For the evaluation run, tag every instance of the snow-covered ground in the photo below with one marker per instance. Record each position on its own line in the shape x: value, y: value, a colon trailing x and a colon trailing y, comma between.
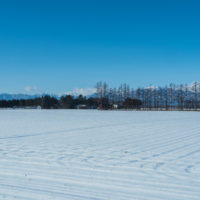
x: 99, y: 155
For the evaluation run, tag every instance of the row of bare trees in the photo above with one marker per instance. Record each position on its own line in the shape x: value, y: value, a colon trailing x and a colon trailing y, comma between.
x: 171, y: 97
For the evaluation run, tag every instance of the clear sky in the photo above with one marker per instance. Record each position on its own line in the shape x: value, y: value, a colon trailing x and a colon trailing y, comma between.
x: 58, y: 45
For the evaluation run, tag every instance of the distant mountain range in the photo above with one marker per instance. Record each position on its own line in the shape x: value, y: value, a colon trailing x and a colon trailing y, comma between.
x: 6, y: 96
x: 88, y: 92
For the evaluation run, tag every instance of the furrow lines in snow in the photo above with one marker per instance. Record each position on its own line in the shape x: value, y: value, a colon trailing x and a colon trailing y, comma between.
x: 91, y: 155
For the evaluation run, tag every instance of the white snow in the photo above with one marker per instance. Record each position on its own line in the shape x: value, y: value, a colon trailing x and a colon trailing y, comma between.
x: 99, y: 155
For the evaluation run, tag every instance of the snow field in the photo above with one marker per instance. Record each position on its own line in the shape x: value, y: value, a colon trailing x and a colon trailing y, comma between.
x: 99, y: 155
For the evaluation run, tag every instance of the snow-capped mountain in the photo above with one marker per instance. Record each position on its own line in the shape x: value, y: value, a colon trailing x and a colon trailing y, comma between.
x: 88, y: 92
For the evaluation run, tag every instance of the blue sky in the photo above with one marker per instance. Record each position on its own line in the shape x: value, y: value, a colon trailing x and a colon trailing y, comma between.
x: 56, y: 46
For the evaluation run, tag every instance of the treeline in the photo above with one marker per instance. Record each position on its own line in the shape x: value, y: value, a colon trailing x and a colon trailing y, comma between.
x: 49, y: 102
x: 69, y: 102
x: 172, y: 97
